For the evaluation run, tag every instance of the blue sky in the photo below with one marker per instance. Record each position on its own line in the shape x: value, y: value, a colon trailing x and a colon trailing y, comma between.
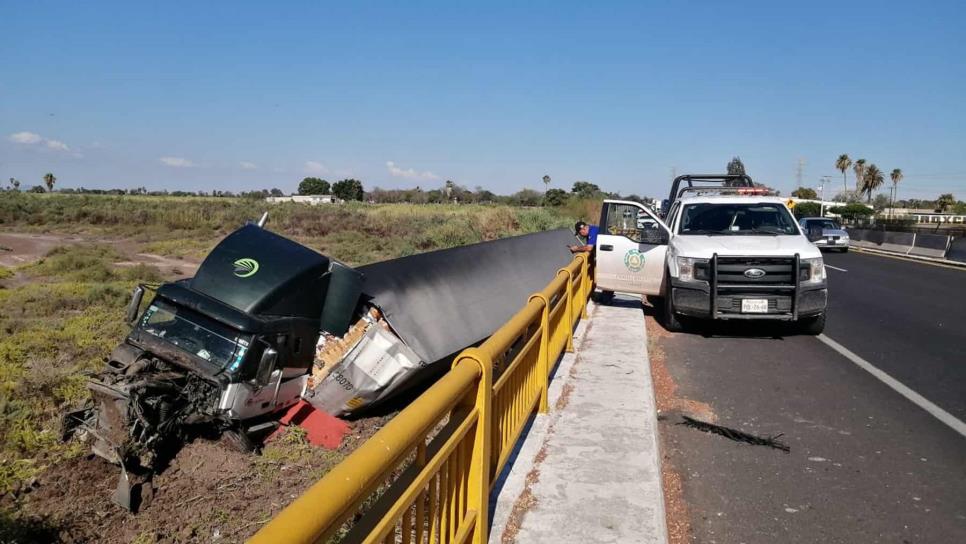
x: 237, y: 96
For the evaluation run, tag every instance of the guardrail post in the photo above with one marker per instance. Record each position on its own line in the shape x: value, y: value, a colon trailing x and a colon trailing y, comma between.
x: 478, y: 486
x: 584, y: 284
x: 570, y: 310
x: 544, y: 362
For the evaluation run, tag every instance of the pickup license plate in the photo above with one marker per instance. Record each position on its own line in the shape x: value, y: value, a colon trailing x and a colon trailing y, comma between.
x: 754, y: 305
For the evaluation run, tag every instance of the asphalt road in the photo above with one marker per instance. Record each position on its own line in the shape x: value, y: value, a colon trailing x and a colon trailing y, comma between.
x: 866, y: 464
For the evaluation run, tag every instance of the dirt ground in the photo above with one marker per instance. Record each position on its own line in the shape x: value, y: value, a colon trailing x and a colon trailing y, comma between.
x: 670, y: 406
x: 18, y: 249
x: 209, y: 493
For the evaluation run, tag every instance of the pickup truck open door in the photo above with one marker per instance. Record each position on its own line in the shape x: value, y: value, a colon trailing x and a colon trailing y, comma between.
x: 631, y: 247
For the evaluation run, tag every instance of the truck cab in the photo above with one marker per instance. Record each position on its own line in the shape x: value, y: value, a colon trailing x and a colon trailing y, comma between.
x: 724, y: 252
x: 226, y: 349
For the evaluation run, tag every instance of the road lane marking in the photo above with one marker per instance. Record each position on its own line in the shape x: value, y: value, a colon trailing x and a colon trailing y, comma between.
x: 835, y: 268
x: 916, y: 398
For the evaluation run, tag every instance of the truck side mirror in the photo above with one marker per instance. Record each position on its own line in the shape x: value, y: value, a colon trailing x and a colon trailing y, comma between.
x: 266, y: 366
x: 135, y: 304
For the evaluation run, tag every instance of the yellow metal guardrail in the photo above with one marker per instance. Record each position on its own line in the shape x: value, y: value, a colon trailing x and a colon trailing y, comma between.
x: 426, y: 476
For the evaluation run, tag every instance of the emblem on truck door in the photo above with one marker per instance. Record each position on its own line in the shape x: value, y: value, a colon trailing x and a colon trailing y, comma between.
x: 245, y: 268
x: 634, y: 260
x: 754, y: 273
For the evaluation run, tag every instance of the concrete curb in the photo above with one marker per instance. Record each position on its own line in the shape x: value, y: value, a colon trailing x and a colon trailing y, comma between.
x: 908, y: 256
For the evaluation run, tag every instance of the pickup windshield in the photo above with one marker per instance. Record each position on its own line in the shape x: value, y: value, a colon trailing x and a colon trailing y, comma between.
x: 194, y: 333
x: 732, y: 219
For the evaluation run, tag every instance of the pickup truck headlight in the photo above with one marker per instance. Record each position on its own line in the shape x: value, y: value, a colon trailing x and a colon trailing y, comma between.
x: 691, y: 269
x: 816, y: 270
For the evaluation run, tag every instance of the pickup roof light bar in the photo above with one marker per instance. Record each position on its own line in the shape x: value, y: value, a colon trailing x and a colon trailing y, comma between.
x: 750, y: 191
x: 706, y: 182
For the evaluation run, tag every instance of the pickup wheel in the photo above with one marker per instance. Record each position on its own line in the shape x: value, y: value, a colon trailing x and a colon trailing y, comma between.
x: 604, y: 297
x: 812, y: 325
x: 671, y: 320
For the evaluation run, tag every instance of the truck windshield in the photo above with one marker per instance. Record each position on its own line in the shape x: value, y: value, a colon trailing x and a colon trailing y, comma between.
x: 195, y: 334
x: 730, y: 219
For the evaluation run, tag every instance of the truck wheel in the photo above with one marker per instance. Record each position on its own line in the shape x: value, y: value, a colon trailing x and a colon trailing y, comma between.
x: 813, y: 325
x: 671, y: 320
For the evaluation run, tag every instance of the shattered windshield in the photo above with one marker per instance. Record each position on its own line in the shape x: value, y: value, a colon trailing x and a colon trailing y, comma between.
x: 732, y: 219
x: 195, y: 334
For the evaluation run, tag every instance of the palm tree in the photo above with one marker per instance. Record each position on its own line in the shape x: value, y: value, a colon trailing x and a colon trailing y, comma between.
x: 872, y: 179
x: 546, y: 182
x: 896, y: 177
x: 859, y: 169
x: 944, y: 201
x: 49, y: 180
x: 843, y: 164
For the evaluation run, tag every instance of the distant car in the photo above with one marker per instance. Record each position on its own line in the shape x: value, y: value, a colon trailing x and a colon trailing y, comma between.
x: 825, y: 233
x: 645, y: 222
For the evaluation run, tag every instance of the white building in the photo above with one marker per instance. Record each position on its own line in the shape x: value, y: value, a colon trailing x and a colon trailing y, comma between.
x: 305, y: 199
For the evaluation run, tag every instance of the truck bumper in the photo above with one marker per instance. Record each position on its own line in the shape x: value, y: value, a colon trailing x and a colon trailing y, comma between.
x: 695, y: 300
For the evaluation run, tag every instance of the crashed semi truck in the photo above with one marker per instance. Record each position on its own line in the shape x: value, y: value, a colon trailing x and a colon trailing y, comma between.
x: 267, y: 322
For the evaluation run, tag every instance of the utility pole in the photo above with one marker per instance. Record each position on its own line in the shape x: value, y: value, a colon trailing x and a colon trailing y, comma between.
x: 825, y: 180
x: 800, y: 171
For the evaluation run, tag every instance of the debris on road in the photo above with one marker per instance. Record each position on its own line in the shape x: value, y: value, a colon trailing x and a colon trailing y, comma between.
x: 736, y: 435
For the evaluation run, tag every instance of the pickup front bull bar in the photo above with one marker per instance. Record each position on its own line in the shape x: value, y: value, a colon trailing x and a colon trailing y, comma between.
x: 795, y: 289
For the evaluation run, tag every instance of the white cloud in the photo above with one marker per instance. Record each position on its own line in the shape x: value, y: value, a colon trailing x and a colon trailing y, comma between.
x: 313, y: 167
x: 247, y: 165
x: 409, y: 173
x: 57, y: 145
x: 177, y: 162
x: 32, y: 138
x: 25, y: 138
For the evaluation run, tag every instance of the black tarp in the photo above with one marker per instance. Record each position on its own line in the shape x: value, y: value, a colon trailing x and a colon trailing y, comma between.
x: 443, y: 301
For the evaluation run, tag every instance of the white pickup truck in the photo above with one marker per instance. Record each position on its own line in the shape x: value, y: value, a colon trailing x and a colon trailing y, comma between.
x: 719, y: 253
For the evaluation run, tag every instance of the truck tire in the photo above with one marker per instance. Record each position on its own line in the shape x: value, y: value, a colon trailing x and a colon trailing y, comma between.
x: 812, y: 325
x: 604, y: 297
x: 671, y: 320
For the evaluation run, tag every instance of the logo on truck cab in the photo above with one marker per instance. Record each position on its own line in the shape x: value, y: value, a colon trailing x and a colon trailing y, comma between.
x: 245, y: 268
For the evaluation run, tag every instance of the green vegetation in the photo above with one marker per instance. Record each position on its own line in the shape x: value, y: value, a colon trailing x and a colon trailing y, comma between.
x: 355, y: 233
x: 805, y: 192
x: 853, y: 210
x: 314, y: 186
x: 52, y: 330
x: 808, y: 209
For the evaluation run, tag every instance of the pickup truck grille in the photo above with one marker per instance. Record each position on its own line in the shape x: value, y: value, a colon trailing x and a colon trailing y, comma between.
x: 778, y: 270
x: 774, y: 279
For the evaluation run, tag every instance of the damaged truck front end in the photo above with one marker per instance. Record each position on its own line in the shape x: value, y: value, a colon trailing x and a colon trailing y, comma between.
x: 222, y: 352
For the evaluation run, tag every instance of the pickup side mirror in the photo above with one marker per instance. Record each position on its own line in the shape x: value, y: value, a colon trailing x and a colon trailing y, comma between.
x: 654, y: 236
x: 265, y: 367
x: 135, y: 304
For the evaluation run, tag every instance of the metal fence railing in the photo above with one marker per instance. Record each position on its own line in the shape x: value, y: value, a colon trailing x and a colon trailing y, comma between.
x: 426, y: 476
